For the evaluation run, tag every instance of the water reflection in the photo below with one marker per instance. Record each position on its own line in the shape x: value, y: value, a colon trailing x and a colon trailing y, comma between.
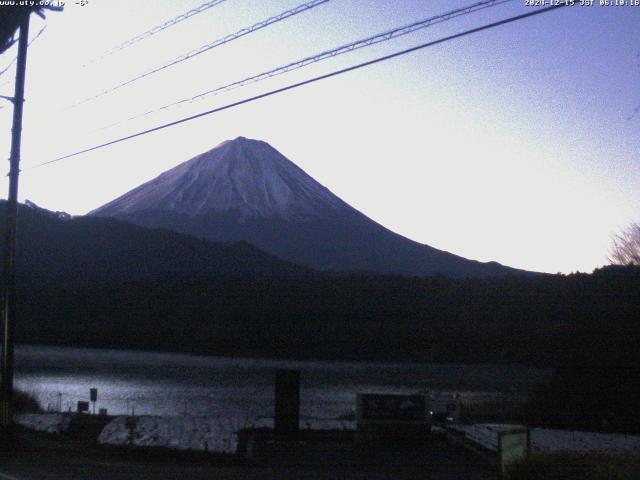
x: 177, y: 384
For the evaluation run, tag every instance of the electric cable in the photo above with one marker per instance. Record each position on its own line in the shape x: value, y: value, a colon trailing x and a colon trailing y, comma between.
x: 3, y: 71
x: 216, y: 43
x: 362, y: 43
x: 158, y: 28
x: 308, y: 81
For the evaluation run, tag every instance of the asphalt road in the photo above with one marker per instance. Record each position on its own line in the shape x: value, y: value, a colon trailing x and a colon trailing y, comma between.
x: 37, y: 460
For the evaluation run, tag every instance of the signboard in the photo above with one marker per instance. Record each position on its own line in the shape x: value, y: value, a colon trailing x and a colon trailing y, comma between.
x: 384, y: 408
x: 513, y: 445
x: 93, y: 392
x: 83, y: 406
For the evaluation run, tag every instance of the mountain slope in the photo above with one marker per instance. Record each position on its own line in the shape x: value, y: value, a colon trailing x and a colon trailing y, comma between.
x: 108, y: 284
x: 246, y: 190
x: 53, y: 246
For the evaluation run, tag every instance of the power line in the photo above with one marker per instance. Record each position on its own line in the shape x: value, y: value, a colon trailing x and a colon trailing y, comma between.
x: 158, y: 29
x: 216, y: 43
x: 366, y: 42
x: 308, y: 81
x: 3, y: 71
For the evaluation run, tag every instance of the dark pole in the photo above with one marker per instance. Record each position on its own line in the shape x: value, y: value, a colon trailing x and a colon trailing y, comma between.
x: 9, y: 284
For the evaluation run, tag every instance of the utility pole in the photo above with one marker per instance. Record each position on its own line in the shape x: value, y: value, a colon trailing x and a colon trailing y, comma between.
x: 9, y: 284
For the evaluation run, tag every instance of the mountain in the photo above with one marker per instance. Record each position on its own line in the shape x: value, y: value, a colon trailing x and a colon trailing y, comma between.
x: 101, y: 282
x: 56, y: 247
x: 246, y: 190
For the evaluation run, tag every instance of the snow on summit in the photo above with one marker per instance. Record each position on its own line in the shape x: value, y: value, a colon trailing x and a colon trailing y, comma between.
x: 247, y: 177
x: 245, y: 190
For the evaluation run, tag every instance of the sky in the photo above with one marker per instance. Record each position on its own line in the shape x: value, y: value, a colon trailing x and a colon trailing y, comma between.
x: 517, y: 144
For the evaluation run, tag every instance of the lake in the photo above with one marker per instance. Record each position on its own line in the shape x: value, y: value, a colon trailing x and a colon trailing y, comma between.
x: 151, y: 383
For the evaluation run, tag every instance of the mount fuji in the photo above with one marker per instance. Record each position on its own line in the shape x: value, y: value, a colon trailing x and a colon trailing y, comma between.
x: 246, y: 190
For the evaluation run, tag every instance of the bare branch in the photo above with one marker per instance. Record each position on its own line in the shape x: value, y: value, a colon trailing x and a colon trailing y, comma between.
x: 625, y: 246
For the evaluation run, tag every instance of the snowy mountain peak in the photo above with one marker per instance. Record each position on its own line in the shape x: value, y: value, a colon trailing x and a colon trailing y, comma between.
x: 245, y: 190
x: 244, y: 176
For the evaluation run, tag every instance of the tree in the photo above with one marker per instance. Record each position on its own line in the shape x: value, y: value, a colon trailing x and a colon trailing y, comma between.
x: 625, y: 246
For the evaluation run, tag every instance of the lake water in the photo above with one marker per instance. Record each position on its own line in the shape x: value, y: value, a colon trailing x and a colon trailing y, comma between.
x: 239, y: 388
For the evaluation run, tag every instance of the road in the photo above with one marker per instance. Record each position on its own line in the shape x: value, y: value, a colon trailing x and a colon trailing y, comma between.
x: 40, y: 460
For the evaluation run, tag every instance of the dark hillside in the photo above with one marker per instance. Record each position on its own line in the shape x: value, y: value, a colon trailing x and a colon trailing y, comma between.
x: 104, y: 283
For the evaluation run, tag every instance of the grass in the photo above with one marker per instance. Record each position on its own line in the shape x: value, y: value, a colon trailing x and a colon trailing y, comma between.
x: 578, y: 466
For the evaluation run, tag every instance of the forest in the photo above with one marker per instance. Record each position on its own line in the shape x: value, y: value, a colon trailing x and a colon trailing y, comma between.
x: 108, y: 284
